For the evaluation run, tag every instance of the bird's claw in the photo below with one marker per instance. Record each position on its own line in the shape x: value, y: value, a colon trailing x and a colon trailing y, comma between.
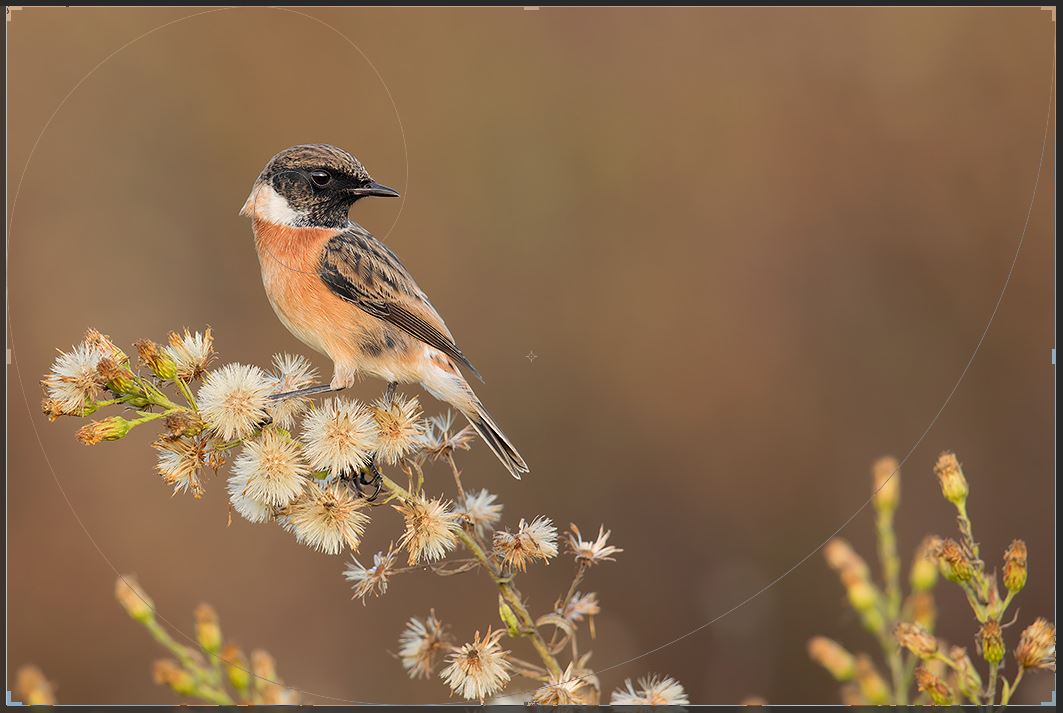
x: 376, y: 481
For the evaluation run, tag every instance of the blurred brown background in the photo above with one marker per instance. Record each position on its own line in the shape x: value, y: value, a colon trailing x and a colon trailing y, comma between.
x: 753, y: 249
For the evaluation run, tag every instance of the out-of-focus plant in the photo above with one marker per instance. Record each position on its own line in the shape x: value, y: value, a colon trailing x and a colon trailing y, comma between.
x: 921, y: 667
x: 308, y: 467
x: 215, y: 670
x: 32, y: 688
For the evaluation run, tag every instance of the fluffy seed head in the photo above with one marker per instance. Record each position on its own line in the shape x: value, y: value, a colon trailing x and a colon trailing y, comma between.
x: 567, y: 689
x: 419, y: 645
x: 374, y: 579
x: 290, y: 373
x: 590, y: 552
x: 271, y: 468
x: 233, y: 399
x: 582, y: 605
x: 440, y: 438
x: 340, y: 436
x: 532, y: 541
x: 399, y: 428
x: 327, y: 518
x: 73, y: 381
x: 191, y: 353
x: 1037, y: 646
x: 478, y: 669
x: 180, y: 460
x: 480, y: 510
x: 651, y: 691
x: 431, y: 529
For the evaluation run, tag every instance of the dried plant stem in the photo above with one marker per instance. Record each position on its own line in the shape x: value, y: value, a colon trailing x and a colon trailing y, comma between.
x: 457, y: 476
x: 504, y: 583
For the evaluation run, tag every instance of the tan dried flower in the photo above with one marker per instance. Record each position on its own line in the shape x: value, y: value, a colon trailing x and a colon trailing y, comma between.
x: 1037, y: 646
x: 33, y: 688
x: 420, y: 643
x: 233, y: 399
x: 955, y: 565
x: 431, y: 529
x: 872, y: 686
x: 180, y: 460
x: 886, y: 477
x: 924, y: 572
x: 208, y: 628
x: 191, y: 353
x: 841, y: 557
x: 567, y: 689
x: 340, y: 436
x: 1015, y: 566
x: 116, y: 377
x: 532, y: 541
x: 950, y: 476
x: 582, y: 605
x: 103, y: 344
x: 374, y: 579
x: 156, y: 358
x: 480, y: 510
x: 291, y: 372
x: 133, y: 599
x: 927, y: 682
x: 990, y: 642
x: 968, y: 682
x: 922, y: 609
x: 270, y: 469
x: 167, y: 672
x: 440, y: 439
x: 832, y: 656
x: 327, y: 518
x: 399, y: 428
x: 109, y: 429
x: 478, y: 669
x: 237, y: 668
x: 916, y: 639
x: 652, y: 691
x: 591, y: 552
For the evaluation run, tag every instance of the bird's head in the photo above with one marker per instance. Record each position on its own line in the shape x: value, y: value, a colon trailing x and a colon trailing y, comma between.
x: 311, y: 185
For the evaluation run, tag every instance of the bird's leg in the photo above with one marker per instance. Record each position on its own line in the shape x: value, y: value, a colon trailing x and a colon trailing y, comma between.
x: 377, y: 481
x: 308, y: 391
x: 389, y: 392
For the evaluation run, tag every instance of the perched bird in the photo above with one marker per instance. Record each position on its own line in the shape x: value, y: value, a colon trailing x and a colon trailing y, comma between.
x: 345, y: 294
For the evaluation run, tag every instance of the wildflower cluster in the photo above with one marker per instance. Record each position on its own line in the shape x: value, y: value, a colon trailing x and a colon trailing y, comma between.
x: 213, y: 671
x: 302, y: 465
x: 904, y: 627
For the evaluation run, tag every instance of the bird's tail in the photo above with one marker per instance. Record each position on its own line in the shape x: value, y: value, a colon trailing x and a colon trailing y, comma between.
x: 496, y: 440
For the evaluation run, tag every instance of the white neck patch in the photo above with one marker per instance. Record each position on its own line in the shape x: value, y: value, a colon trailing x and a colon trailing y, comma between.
x: 266, y: 204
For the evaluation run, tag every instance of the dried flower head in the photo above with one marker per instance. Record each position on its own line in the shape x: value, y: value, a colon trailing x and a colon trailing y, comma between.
x: 184, y: 423
x: 117, y: 378
x: 916, y: 639
x: 924, y: 572
x: 440, y: 438
x: 478, y: 669
x: 652, y: 691
x: 237, y: 668
x: 567, y: 689
x: 872, y: 686
x: 1037, y: 646
x: 340, y: 436
x: 532, y: 541
x: 420, y: 643
x: 431, y: 529
x: 832, y: 656
x: 582, y: 605
x: 109, y: 429
x: 841, y: 557
x: 990, y: 642
x: 327, y: 518
x: 33, y: 688
x: 922, y: 608
x: 480, y: 510
x: 399, y: 428
x: 271, y: 469
x: 955, y: 565
x: 167, y: 672
x: 1015, y: 566
x: 967, y: 680
x: 233, y: 399
x: 74, y: 381
x: 590, y: 552
x: 886, y: 477
x: 180, y: 460
x: 156, y: 358
x: 291, y: 372
x: 103, y: 344
x: 950, y: 476
x: 374, y: 579
x: 208, y: 629
x: 191, y: 353
x: 133, y: 599
x: 936, y: 689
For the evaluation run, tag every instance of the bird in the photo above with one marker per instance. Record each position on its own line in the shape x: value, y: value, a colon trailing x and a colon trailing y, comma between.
x: 346, y: 295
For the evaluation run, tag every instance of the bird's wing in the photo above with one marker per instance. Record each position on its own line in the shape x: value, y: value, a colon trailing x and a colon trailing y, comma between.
x: 363, y: 271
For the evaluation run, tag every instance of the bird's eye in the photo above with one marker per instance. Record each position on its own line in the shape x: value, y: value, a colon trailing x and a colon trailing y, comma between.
x: 320, y: 178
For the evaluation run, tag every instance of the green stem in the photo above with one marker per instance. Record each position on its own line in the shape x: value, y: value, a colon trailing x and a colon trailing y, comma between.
x: 1006, y: 698
x: 991, y: 687
x: 183, y: 388
x: 891, y: 571
x: 190, y: 664
x: 505, y: 588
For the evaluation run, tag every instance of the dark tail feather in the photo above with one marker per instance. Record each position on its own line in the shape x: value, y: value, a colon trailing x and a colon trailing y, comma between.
x: 496, y: 440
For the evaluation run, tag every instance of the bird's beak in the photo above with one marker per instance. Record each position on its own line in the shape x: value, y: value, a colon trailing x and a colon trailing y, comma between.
x: 375, y: 189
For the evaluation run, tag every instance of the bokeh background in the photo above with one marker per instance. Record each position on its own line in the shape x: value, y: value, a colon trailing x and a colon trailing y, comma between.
x: 753, y: 250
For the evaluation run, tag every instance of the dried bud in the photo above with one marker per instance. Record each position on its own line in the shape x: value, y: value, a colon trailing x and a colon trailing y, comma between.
x: 133, y: 599
x: 832, y: 656
x: 922, y: 609
x: 954, y: 563
x: 1015, y: 566
x: 184, y: 423
x: 842, y: 558
x: 861, y: 593
x: 53, y: 409
x: 916, y: 639
x: 263, y: 667
x: 109, y: 429
x: 32, y: 688
x: 886, y: 476
x: 157, y: 359
x: 167, y: 672
x: 1037, y: 646
x: 924, y: 574
x: 991, y: 642
x: 872, y: 686
x: 116, y: 377
x: 950, y: 475
x: 940, y: 694
x: 103, y: 344
x: 208, y: 631
x: 236, y: 667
